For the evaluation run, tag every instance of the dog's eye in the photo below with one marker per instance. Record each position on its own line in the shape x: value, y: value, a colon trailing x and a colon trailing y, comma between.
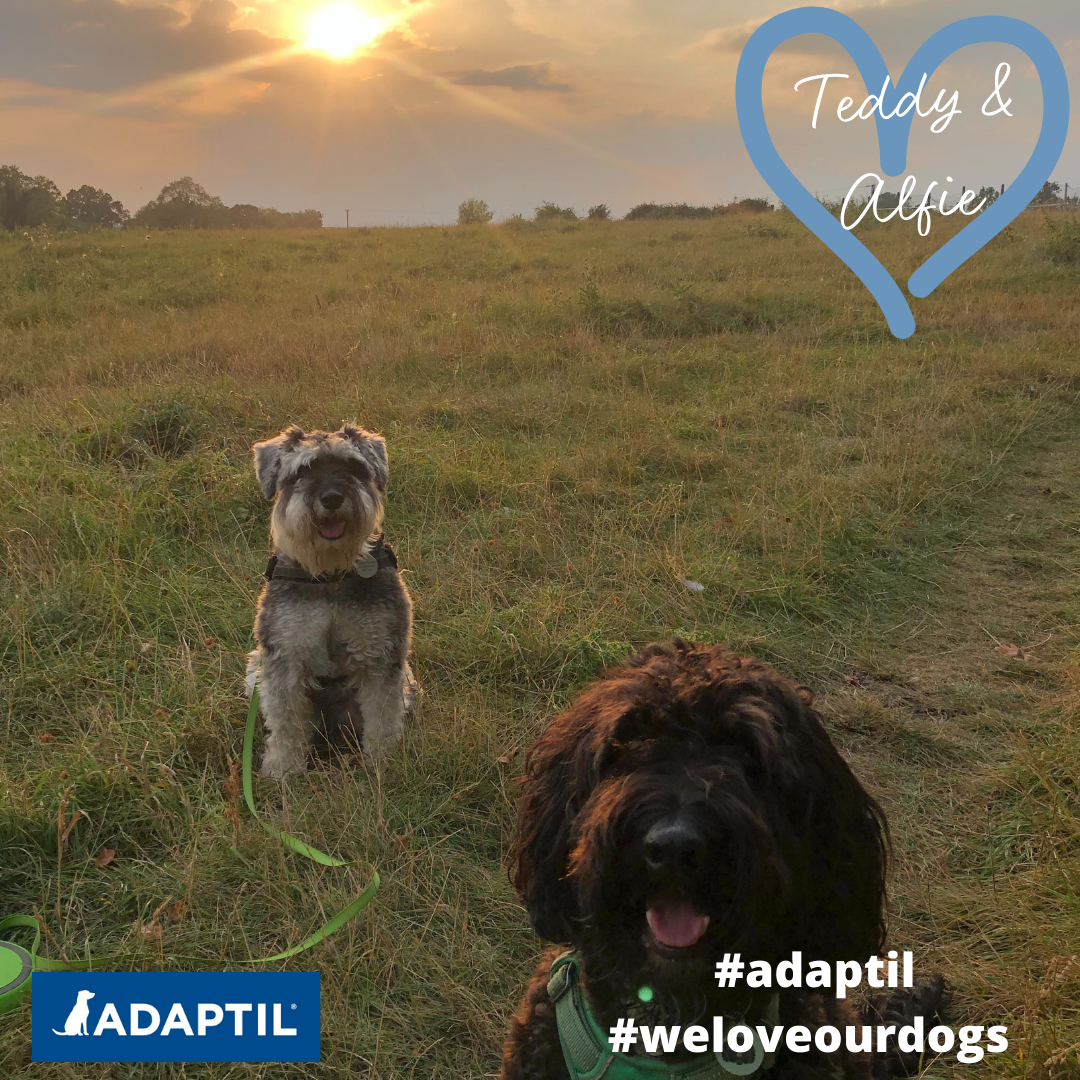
x: 358, y: 469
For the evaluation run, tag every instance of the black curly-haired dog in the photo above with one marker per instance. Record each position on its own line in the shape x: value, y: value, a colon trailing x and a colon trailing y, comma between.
x: 686, y: 805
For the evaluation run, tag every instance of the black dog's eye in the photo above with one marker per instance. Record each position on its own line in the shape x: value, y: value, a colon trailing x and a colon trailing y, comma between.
x: 302, y: 471
x: 358, y: 469
x: 608, y: 756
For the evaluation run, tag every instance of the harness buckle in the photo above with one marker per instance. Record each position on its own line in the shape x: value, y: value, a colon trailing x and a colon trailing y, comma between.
x: 559, y: 983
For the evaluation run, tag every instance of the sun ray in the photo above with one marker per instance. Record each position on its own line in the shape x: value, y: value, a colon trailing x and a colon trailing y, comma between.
x: 483, y: 103
x: 194, y: 81
x: 188, y: 81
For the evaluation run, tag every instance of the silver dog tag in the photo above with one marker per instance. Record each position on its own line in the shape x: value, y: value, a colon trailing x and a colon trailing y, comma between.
x: 367, y: 565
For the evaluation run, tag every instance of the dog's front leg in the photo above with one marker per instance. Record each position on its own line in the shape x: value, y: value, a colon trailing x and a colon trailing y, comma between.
x: 289, y: 712
x: 381, y: 698
x: 532, y: 1050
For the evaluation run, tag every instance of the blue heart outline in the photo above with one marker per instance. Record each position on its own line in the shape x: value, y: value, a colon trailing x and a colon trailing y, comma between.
x: 893, y: 138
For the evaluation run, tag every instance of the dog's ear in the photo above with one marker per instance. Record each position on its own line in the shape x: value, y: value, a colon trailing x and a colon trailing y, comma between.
x: 268, y: 458
x: 561, y: 773
x: 373, y: 447
x: 541, y: 851
x: 845, y: 858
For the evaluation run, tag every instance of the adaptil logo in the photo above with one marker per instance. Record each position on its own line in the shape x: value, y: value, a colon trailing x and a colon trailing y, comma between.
x: 176, y: 1017
x: 76, y: 1021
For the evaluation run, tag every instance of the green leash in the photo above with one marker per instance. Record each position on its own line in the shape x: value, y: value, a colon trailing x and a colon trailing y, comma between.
x: 17, y: 964
x: 339, y: 920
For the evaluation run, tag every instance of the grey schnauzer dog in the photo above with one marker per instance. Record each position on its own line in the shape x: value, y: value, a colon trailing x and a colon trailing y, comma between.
x: 334, y: 620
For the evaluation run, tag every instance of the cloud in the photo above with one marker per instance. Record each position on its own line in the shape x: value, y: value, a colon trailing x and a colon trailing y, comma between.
x: 726, y: 39
x: 402, y: 38
x: 102, y: 45
x: 518, y: 77
x: 899, y: 29
x: 581, y: 25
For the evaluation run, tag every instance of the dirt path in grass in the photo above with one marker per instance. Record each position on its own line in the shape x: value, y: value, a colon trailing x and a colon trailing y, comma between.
x: 969, y: 736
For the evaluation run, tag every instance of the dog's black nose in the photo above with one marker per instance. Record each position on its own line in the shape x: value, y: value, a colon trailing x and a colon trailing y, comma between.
x: 331, y: 499
x: 674, y: 845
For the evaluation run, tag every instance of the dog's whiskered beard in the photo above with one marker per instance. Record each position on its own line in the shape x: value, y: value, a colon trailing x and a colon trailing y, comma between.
x: 671, y: 868
x: 324, y: 538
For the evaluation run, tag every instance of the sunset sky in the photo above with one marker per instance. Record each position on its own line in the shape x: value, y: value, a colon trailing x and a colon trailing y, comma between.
x: 399, y: 111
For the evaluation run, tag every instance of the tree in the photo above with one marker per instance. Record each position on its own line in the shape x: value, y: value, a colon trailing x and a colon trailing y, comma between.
x: 247, y: 216
x: 474, y: 212
x: 1048, y: 193
x: 303, y: 219
x: 183, y: 204
x: 989, y: 193
x: 26, y: 201
x: 91, y: 208
x: 600, y: 212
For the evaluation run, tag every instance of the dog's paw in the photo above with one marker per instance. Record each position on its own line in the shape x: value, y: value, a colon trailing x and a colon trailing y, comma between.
x: 280, y: 767
x: 253, y: 661
x: 410, y: 690
x: 929, y: 998
x: 379, y: 748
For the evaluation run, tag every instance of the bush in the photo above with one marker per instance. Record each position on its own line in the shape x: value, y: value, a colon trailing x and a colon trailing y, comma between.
x: 1062, y: 239
x: 548, y: 211
x: 751, y: 206
x: 517, y: 223
x: 600, y: 212
x: 649, y: 211
x: 474, y: 212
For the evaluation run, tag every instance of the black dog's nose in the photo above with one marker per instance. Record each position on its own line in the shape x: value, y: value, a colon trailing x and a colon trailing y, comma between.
x: 331, y: 499
x: 673, y: 845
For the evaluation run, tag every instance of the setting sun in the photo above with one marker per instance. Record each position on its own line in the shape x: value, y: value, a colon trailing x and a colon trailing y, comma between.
x: 341, y: 30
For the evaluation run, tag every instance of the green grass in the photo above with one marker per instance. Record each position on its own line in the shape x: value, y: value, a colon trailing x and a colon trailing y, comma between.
x: 579, y: 417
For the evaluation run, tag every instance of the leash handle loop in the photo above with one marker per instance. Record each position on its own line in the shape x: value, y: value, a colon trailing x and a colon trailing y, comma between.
x: 41, y: 963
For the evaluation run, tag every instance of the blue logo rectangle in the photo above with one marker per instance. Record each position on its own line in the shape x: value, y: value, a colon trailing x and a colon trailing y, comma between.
x: 176, y: 1016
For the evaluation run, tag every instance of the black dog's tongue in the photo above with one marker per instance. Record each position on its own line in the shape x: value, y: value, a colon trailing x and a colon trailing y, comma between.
x: 676, y: 923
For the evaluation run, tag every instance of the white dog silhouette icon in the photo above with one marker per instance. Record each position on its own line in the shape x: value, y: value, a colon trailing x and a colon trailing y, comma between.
x: 75, y: 1024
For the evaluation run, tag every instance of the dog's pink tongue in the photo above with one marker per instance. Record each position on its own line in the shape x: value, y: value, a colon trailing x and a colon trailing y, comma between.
x: 332, y: 530
x: 676, y: 923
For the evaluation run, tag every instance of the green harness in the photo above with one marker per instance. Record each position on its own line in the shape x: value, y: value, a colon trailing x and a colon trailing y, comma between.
x: 589, y: 1056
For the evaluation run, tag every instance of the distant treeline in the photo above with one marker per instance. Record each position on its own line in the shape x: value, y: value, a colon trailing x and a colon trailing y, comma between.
x: 476, y: 212
x: 29, y: 201
x: 646, y: 211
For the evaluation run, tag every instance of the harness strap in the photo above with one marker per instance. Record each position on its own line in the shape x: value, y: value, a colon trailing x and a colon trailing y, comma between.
x: 588, y: 1052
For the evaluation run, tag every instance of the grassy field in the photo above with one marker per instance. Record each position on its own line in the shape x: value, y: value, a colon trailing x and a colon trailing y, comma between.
x: 579, y: 417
